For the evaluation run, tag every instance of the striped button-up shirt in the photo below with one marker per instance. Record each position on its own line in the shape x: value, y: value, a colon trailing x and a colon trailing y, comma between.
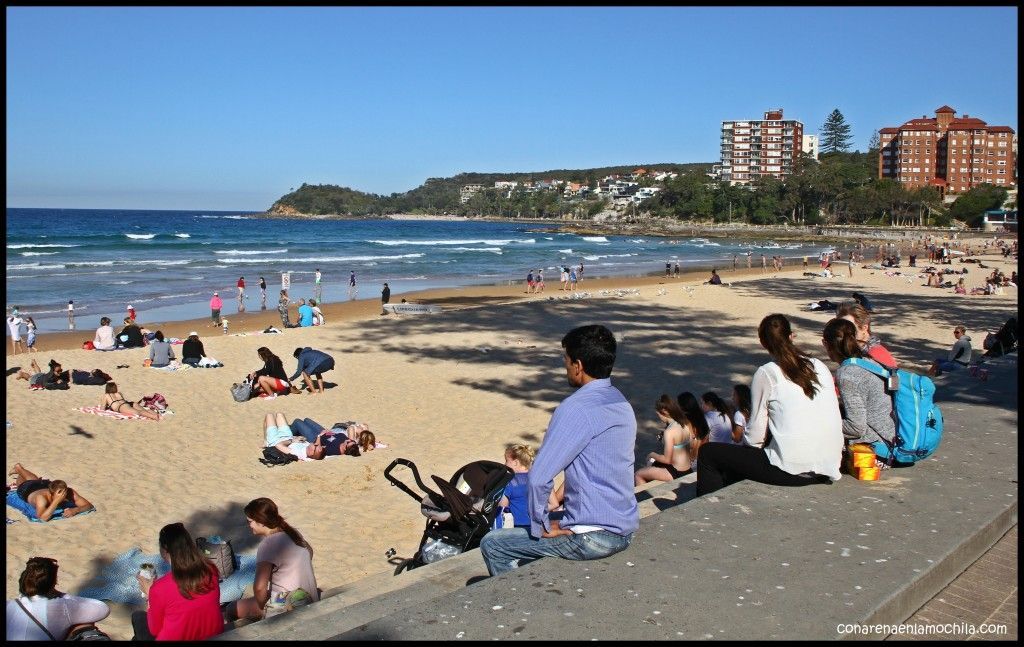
x: 591, y: 436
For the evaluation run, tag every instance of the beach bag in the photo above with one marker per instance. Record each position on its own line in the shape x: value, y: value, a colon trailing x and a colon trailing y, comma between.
x: 241, y: 391
x: 156, y: 402
x: 273, y: 456
x: 918, y: 418
x: 209, y: 362
x: 88, y: 632
x: 219, y: 552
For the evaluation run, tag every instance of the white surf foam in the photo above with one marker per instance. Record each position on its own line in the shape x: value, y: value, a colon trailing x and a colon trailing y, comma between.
x: 183, y: 235
x: 595, y: 239
x: 39, y: 253
x: 24, y: 246
x: 141, y: 236
x: 241, y: 252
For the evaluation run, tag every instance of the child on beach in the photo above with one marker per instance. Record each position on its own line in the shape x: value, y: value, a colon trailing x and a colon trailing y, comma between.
x: 30, y: 342
x: 518, y: 458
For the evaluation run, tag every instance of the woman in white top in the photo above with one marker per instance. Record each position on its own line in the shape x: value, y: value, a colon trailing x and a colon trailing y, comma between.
x: 42, y: 604
x: 104, y: 339
x: 717, y: 413
x: 284, y: 562
x: 794, y: 417
x: 741, y: 403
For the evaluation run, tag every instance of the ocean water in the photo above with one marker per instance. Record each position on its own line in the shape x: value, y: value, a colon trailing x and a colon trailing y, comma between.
x: 168, y: 263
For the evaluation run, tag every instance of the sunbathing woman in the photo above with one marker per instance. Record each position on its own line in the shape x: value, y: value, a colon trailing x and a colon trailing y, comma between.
x: 114, y: 401
x: 277, y: 433
x: 674, y: 461
x: 344, y: 439
x: 37, y: 379
x: 47, y: 496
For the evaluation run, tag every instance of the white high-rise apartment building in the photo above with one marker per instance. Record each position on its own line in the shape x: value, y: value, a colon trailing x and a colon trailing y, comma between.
x: 755, y: 149
x: 811, y: 145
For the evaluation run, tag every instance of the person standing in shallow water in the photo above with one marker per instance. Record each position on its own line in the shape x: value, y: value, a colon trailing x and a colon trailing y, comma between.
x: 263, y: 293
x: 352, y: 289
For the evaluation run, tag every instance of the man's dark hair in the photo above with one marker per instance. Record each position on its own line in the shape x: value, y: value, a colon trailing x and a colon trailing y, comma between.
x: 594, y: 346
x: 298, y: 351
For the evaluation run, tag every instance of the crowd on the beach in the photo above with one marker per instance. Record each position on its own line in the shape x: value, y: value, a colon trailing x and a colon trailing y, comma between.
x: 788, y: 426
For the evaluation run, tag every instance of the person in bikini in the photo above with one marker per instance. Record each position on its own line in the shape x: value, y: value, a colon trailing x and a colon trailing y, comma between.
x: 675, y: 459
x: 47, y: 496
x: 114, y: 401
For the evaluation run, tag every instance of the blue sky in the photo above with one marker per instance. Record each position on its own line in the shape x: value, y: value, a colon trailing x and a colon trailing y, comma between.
x: 229, y: 108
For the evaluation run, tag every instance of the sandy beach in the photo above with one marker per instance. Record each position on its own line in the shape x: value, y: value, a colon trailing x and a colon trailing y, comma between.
x: 441, y: 390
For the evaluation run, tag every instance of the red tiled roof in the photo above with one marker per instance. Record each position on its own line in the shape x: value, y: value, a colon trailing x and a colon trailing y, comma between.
x: 945, y: 109
x: 888, y: 131
x: 1000, y: 129
x: 919, y: 124
x: 969, y: 121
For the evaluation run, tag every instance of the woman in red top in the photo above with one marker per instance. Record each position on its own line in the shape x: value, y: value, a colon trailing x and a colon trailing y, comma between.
x: 872, y: 347
x: 184, y: 604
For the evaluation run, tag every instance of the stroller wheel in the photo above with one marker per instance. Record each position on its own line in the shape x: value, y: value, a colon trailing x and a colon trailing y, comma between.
x: 404, y: 565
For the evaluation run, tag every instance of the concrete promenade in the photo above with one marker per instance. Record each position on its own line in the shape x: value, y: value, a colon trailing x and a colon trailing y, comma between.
x: 751, y: 562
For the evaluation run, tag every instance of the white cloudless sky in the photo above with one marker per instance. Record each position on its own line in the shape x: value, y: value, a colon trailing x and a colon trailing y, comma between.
x: 230, y: 108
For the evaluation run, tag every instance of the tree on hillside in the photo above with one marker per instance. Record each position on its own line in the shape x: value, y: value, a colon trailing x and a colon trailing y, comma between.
x: 971, y: 206
x: 835, y: 133
x: 874, y: 143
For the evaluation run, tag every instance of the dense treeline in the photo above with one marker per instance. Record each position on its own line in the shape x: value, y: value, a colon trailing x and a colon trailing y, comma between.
x: 839, y: 188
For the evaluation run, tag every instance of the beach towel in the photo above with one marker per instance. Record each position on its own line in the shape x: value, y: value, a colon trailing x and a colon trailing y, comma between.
x: 100, y: 411
x: 29, y: 510
x: 117, y: 581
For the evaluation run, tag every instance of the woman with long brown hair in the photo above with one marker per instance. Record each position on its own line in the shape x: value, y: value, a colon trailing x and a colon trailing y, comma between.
x: 867, y: 408
x: 794, y: 434
x: 284, y: 563
x: 271, y: 379
x: 184, y: 604
x: 674, y: 461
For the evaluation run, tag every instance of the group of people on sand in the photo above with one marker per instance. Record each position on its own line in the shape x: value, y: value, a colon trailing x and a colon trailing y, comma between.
x: 184, y: 603
x: 21, y: 326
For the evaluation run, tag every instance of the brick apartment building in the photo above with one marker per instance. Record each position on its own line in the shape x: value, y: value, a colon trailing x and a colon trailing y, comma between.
x: 754, y: 149
x: 953, y: 154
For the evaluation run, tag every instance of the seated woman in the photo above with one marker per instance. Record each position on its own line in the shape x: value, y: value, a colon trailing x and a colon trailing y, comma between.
x: 674, y: 461
x: 934, y: 280
x: 48, y: 496
x: 794, y: 400
x: 277, y: 433
x: 352, y: 439
x: 184, y: 604
x: 318, y: 315
x: 104, y: 338
x: 44, y: 613
x: 961, y: 286
x: 56, y: 378
x: 959, y: 355
x: 741, y: 405
x: 113, y: 401
x: 715, y: 279
x: 284, y: 563
x: 867, y: 408
x: 690, y: 405
x: 160, y: 351
x: 719, y: 417
x: 131, y: 335
x: 271, y: 379
x: 871, y: 345
x: 192, y: 350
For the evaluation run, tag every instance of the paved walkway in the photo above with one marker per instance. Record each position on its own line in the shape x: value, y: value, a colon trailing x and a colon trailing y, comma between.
x: 986, y: 593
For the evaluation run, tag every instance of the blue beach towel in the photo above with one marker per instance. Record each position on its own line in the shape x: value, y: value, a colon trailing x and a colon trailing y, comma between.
x: 118, y: 583
x: 29, y: 510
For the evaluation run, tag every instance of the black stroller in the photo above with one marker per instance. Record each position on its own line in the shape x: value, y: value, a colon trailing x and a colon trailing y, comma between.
x: 1003, y: 341
x: 460, y: 515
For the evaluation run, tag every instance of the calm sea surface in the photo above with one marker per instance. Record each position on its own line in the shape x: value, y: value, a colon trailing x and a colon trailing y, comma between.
x: 168, y: 263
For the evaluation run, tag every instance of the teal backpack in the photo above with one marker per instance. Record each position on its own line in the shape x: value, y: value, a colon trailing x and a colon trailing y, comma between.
x: 918, y: 418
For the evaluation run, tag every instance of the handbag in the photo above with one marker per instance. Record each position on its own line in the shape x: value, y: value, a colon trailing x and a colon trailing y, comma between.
x: 242, y: 391
x: 220, y: 553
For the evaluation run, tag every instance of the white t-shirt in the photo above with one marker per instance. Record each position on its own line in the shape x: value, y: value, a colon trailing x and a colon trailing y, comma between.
x: 298, y: 448
x: 14, y: 323
x: 57, y: 615
x: 293, y: 565
x: 739, y: 420
x: 807, y: 434
x: 721, y: 429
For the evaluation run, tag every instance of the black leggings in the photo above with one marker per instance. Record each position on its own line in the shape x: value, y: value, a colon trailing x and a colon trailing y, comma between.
x: 140, y: 623
x: 721, y: 464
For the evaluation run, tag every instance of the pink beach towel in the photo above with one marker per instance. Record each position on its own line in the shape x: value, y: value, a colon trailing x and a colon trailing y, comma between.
x: 100, y: 411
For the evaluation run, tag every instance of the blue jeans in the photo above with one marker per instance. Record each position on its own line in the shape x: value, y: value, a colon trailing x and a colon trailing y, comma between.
x: 307, y: 428
x: 508, y: 548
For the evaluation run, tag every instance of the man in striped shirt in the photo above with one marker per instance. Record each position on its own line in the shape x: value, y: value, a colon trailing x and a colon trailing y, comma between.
x: 591, y: 437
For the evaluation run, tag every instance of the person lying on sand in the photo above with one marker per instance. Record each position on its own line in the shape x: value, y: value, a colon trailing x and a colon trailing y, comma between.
x: 47, y: 496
